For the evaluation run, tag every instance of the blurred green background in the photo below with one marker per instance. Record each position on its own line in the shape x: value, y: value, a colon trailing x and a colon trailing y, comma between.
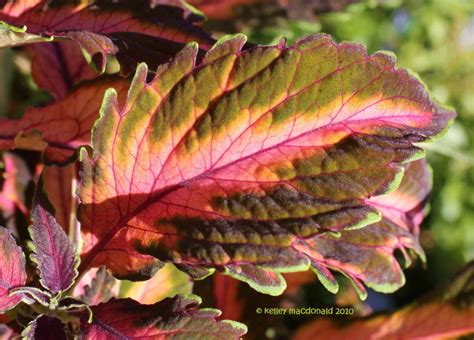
x: 434, y: 38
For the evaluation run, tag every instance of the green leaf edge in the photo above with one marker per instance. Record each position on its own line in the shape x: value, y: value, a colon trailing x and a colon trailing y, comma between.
x: 35, y: 38
x: 110, y: 98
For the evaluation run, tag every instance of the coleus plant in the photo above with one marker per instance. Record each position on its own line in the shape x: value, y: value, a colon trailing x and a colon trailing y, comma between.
x: 254, y: 161
x: 57, y: 260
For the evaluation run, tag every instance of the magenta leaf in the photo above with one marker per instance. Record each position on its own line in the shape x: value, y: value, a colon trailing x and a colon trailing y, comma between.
x: 54, y: 254
x: 171, y: 318
x: 12, y: 270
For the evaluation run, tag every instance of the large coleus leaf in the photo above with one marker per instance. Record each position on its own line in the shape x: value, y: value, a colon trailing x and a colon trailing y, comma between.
x: 171, y: 318
x: 60, y: 128
x: 373, y: 256
x: 249, y: 161
x: 144, y: 30
x: 53, y: 253
x: 12, y: 270
x: 447, y: 313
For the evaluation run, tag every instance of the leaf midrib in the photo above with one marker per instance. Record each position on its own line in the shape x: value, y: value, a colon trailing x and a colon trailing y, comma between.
x: 166, y: 191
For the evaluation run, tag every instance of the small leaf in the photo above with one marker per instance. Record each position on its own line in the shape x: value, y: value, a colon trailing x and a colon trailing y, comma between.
x: 168, y: 282
x: 445, y: 313
x: 53, y: 253
x: 64, y: 125
x: 12, y: 270
x: 170, y: 318
x: 251, y: 161
x: 16, y: 177
x: 45, y: 327
x: 101, y: 288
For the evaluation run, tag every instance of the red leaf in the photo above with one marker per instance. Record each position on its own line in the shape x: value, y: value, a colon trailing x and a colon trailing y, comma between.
x: 12, y: 270
x: 100, y: 29
x: 226, y: 295
x: 64, y: 125
x: 251, y: 161
x: 222, y: 10
x: 57, y: 67
x: 16, y: 177
x: 447, y: 313
x: 18, y: 7
x: 297, y: 9
x: 178, y: 316
x: 59, y: 183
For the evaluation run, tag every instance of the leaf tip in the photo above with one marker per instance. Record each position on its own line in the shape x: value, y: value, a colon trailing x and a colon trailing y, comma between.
x: 238, y: 326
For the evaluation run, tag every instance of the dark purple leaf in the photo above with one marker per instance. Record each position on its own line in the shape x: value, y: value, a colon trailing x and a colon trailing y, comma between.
x: 44, y: 328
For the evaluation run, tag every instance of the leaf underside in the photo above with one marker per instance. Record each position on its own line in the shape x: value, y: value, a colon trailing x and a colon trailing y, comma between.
x: 253, y: 162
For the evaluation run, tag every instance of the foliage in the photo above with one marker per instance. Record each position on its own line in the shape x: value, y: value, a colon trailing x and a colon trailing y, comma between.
x: 148, y: 155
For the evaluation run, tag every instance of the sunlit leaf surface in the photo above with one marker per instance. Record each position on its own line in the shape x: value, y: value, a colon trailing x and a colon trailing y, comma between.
x: 252, y: 161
